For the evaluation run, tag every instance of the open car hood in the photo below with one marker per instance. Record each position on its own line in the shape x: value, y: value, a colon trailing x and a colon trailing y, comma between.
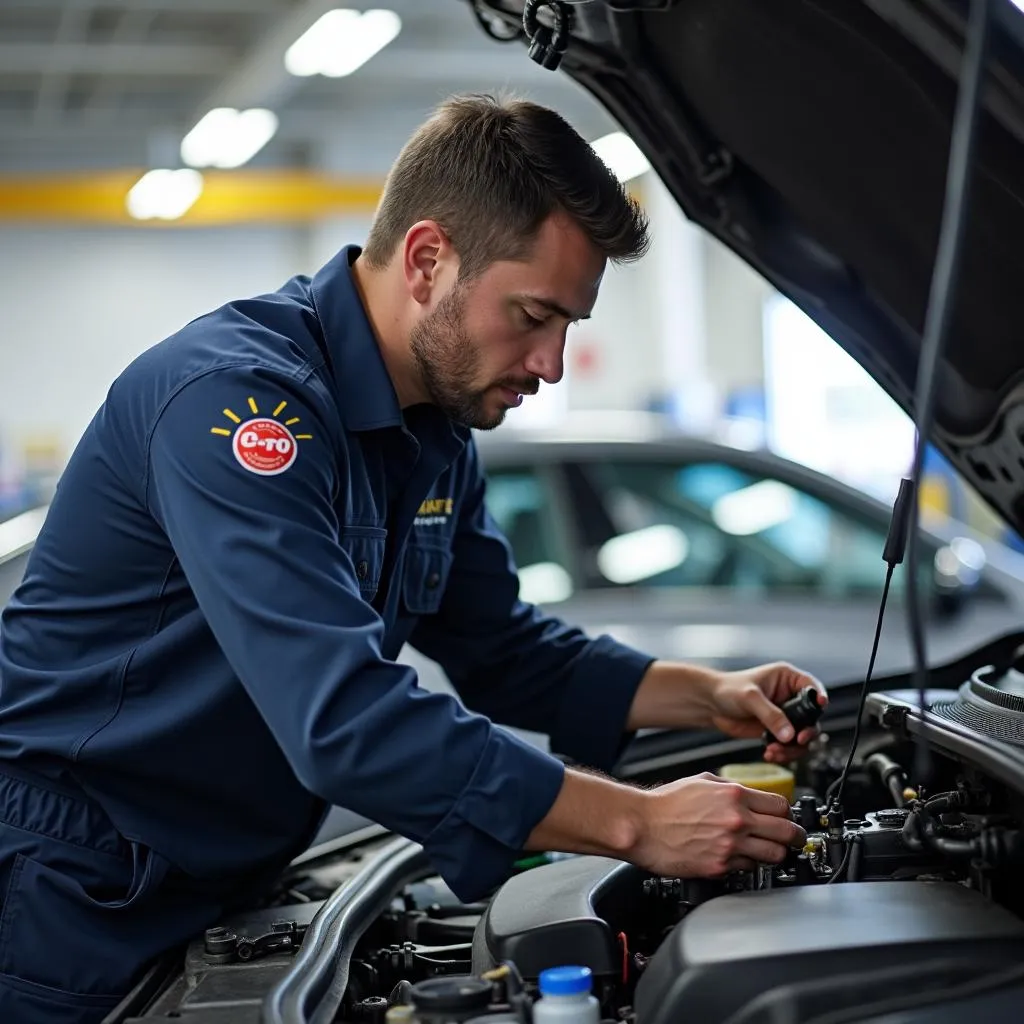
x: 812, y: 138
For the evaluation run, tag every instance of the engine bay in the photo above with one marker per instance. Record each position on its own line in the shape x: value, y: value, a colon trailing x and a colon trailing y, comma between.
x: 906, y: 903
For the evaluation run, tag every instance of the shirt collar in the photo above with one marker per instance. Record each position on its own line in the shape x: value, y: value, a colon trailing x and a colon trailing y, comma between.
x: 367, y: 396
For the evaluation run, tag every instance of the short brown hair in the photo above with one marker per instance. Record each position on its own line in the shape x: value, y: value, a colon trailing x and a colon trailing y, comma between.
x: 490, y: 171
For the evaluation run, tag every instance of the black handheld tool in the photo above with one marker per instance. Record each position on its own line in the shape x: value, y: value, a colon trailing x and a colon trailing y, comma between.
x: 803, y: 711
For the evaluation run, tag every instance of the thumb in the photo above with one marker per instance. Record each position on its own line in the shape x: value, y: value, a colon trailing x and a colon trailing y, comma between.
x: 768, y: 714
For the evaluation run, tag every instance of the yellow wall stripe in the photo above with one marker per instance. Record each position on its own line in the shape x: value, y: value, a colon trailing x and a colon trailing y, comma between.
x: 228, y: 198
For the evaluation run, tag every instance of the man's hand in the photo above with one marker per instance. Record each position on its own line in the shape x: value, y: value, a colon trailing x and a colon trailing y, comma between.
x: 744, y: 704
x: 700, y: 827
x: 703, y: 827
x: 741, y: 704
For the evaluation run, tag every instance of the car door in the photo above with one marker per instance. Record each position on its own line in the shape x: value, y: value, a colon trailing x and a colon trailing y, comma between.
x: 712, y: 562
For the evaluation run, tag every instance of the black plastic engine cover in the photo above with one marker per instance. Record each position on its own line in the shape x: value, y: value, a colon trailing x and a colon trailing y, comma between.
x: 745, y: 957
x: 567, y: 912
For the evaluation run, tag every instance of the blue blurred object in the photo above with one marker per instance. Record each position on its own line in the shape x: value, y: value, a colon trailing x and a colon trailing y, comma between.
x: 748, y: 403
x: 1012, y: 540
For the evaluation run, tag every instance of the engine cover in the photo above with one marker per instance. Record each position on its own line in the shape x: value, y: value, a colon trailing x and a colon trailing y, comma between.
x: 567, y: 912
x: 794, y: 954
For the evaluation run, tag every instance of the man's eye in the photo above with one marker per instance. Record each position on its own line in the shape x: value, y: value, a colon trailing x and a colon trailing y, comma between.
x: 531, y: 321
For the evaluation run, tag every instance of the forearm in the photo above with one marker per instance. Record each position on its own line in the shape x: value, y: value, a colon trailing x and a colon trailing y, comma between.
x: 673, y: 695
x: 592, y: 815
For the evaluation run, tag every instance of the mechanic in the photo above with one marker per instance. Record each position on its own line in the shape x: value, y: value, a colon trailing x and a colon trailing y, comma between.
x: 268, y: 505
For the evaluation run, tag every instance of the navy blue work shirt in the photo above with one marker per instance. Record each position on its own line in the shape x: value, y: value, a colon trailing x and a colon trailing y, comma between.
x: 244, y: 539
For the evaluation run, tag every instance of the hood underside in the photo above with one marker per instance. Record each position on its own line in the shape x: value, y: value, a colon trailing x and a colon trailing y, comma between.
x: 812, y: 138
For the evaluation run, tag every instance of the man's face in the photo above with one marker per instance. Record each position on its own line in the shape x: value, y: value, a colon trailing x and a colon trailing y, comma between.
x: 490, y: 341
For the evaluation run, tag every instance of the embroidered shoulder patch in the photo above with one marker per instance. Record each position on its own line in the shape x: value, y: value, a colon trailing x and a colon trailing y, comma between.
x: 263, y: 444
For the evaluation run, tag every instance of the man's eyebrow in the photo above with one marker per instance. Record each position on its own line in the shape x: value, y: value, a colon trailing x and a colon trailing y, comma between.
x: 555, y: 307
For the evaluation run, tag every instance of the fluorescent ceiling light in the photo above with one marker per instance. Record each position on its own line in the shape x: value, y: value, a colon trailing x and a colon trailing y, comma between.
x: 755, y: 508
x: 622, y: 155
x: 226, y: 137
x: 164, y: 194
x: 340, y: 42
x: 641, y: 554
x: 19, y: 533
x: 544, y: 583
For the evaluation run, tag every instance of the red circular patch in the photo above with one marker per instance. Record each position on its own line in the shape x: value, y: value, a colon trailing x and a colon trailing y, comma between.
x: 264, y: 446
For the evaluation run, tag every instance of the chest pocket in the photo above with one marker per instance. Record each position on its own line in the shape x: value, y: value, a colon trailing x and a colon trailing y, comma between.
x: 365, y: 546
x: 425, y: 576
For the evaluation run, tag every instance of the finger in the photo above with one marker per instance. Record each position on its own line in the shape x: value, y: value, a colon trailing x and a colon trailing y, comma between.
x: 759, y: 801
x: 777, y: 830
x: 818, y: 685
x: 782, y: 753
x: 794, y: 681
x: 739, y: 728
x: 740, y: 864
x: 785, y: 755
x: 761, y: 850
x: 768, y: 714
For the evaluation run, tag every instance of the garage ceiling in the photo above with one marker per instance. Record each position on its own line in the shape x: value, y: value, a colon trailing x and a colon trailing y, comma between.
x: 87, y: 84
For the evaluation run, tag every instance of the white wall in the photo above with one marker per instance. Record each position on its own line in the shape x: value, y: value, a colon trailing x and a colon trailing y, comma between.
x: 326, y: 237
x: 734, y: 299
x: 76, y: 306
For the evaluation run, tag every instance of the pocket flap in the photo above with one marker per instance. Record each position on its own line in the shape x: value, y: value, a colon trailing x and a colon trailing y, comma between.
x: 425, y: 577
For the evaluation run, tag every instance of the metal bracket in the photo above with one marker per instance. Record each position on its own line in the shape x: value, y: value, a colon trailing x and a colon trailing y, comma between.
x: 224, y: 946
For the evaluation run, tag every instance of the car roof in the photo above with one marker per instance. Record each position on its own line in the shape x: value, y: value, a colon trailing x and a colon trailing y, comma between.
x: 594, y: 437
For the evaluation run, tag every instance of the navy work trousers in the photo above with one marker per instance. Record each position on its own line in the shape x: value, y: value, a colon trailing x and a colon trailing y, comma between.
x: 84, y: 911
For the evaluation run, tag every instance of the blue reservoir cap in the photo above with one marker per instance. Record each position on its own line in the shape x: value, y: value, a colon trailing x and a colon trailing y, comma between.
x: 565, y: 981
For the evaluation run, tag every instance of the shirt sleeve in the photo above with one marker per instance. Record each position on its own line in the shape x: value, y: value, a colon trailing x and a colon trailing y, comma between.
x: 518, y: 666
x: 241, y: 476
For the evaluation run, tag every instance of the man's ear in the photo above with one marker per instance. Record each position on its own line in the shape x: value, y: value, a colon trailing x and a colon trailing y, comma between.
x: 427, y: 258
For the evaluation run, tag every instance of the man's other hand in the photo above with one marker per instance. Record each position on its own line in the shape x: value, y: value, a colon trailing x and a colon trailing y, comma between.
x: 744, y: 704
x: 673, y: 695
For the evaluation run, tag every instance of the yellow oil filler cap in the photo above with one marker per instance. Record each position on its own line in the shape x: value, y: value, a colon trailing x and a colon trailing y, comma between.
x: 772, y: 778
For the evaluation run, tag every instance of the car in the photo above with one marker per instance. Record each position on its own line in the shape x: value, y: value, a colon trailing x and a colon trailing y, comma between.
x: 812, y: 138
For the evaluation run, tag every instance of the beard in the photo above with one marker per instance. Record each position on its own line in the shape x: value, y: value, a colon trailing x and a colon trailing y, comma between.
x: 448, y: 361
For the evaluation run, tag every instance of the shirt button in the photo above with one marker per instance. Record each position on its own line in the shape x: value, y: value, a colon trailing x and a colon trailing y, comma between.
x: 363, y: 569
x: 433, y: 580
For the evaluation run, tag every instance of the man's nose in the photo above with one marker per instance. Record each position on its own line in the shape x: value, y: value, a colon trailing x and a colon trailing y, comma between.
x: 547, y: 359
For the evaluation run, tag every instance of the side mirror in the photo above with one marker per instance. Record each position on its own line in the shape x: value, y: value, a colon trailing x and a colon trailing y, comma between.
x: 956, y: 573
